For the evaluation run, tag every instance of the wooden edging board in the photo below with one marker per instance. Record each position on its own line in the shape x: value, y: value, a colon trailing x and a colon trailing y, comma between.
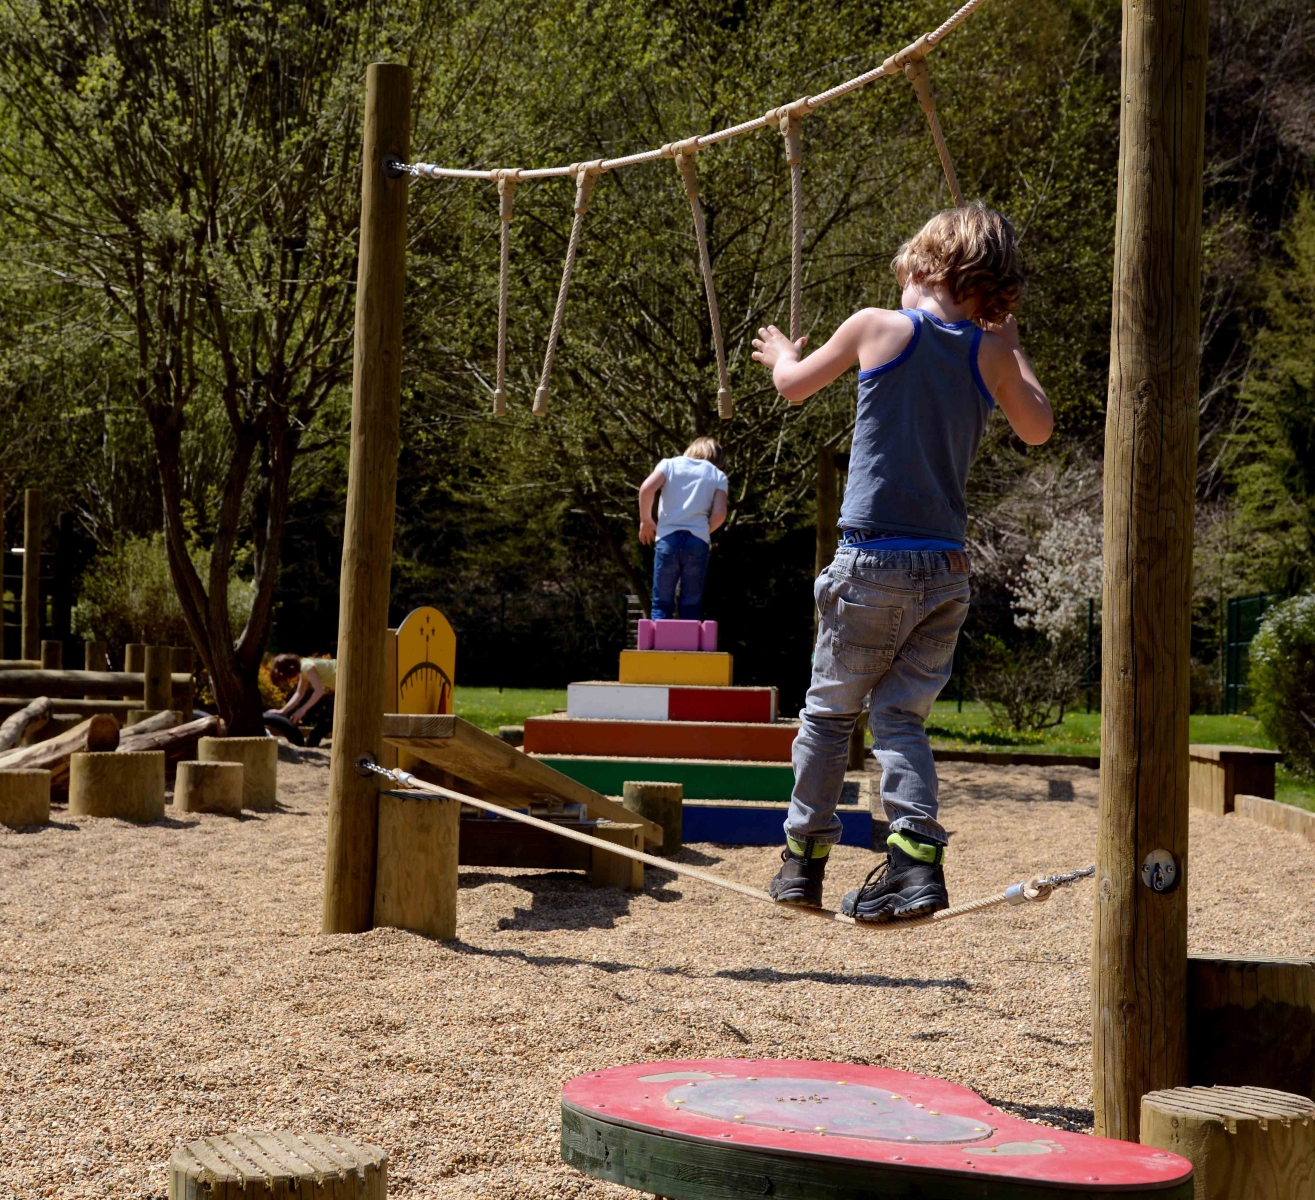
x: 644, y: 1127
x: 1276, y: 815
x: 504, y: 774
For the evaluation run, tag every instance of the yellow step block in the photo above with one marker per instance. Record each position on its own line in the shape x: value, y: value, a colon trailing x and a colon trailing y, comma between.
x: 692, y: 667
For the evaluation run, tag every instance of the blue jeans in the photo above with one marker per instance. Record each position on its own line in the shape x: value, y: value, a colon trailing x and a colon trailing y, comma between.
x: 888, y: 623
x: 682, y: 558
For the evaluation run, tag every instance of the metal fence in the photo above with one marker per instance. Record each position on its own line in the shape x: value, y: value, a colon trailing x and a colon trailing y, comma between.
x: 1244, y: 616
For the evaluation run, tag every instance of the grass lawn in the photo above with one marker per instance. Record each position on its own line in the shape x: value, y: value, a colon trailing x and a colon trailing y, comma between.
x: 488, y: 708
x: 950, y: 729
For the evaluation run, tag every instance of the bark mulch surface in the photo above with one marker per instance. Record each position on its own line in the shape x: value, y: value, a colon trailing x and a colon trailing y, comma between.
x: 165, y: 982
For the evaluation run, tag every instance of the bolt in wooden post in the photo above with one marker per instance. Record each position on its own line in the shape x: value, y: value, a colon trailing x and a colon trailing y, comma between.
x: 367, y: 552
x: 32, y: 574
x: 1139, y: 946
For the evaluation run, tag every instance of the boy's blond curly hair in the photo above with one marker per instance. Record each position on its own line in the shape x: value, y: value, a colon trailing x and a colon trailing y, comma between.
x: 973, y: 251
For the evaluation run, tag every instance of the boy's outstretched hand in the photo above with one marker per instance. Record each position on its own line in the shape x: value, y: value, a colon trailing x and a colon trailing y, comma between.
x: 647, y: 532
x: 771, y: 345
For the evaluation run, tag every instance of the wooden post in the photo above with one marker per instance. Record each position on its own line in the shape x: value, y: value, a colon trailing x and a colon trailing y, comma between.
x: 32, y: 573
x: 416, y: 882
x: 1139, y: 946
x: 157, y: 691
x: 660, y: 802
x: 134, y: 661
x: 52, y: 655
x: 183, y: 659
x: 367, y: 552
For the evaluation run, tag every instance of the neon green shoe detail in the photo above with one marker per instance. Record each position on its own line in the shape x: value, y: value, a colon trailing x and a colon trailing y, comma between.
x: 800, y: 849
x: 926, y: 852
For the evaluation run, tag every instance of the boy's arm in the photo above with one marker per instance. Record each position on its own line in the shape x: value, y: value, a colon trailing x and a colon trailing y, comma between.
x: 298, y: 694
x: 717, y: 518
x: 648, y: 491
x: 869, y: 337
x: 1014, y: 384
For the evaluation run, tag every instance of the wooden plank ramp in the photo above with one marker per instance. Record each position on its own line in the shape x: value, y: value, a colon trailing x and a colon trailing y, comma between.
x: 499, y: 771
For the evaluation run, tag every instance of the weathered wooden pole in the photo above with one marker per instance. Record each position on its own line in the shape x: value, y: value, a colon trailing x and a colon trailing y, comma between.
x: 32, y: 574
x: 367, y: 551
x: 1139, y: 947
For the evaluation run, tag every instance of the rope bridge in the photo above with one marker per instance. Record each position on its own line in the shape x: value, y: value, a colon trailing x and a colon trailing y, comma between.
x: 787, y: 118
x: 1034, y: 890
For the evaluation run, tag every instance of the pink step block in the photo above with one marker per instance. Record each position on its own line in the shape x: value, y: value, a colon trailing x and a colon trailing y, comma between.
x: 677, y: 635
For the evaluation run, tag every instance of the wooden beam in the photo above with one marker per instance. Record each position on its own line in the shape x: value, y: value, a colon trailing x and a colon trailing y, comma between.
x: 501, y: 772
x: 31, y: 611
x: 367, y: 552
x: 79, y: 685
x: 1139, y: 946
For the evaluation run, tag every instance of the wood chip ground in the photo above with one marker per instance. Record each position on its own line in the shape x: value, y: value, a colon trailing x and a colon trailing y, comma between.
x: 166, y: 982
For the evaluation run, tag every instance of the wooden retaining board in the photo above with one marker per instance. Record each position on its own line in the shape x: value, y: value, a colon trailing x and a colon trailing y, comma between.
x: 750, y: 823
x: 662, y: 702
x: 731, y: 1129
x: 501, y: 773
x: 747, y: 742
x: 1287, y: 817
x: 486, y: 843
x: 693, y: 667
x: 702, y: 779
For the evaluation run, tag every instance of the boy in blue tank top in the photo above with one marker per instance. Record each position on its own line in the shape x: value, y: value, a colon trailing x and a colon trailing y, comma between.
x: 891, y: 604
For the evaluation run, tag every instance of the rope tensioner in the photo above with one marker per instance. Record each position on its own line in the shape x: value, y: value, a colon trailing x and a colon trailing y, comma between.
x: 586, y: 176
x: 1032, y: 890
x: 683, y: 154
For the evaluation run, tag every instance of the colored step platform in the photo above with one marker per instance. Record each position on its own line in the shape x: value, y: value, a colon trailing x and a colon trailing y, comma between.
x: 776, y: 1127
x: 753, y: 823
x: 679, y: 667
x: 702, y: 779
x: 560, y: 734
x: 604, y: 700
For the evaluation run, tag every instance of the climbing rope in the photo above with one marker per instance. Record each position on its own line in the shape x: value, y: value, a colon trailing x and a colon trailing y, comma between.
x: 787, y: 118
x: 507, y: 181
x: 1033, y: 890
x: 683, y: 154
x: 918, y: 75
x: 586, y: 175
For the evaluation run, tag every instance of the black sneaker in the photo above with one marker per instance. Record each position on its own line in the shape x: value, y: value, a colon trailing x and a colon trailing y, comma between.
x: 910, y: 883
x: 799, y: 881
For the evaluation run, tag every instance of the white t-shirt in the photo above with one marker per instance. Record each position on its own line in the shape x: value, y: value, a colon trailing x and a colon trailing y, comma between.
x: 685, y: 501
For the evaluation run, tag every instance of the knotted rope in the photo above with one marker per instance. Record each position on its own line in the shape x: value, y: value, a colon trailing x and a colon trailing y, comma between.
x: 1034, y: 890
x: 683, y: 154
x: 917, y: 74
x: 586, y: 176
x: 790, y: 119
x: 507, y: 181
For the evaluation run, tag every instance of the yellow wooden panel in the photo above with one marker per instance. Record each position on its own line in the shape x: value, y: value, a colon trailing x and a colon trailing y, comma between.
x: 690, y: 667
x: 426, y: 663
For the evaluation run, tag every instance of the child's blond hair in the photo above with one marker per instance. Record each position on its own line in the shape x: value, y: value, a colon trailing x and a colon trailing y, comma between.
x: 706, y: 448
x: 973, y: 251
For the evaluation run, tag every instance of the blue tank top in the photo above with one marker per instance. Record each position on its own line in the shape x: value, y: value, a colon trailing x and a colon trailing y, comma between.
x: 920, y: 421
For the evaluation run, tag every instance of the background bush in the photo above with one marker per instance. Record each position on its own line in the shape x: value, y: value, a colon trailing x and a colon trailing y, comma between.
x: 1283, y: 680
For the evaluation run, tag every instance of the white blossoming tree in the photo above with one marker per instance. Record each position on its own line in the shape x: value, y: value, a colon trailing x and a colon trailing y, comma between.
x: 1059, y: 577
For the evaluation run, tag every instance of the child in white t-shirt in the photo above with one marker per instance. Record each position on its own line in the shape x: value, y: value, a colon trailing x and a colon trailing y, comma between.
x: 691, y: 493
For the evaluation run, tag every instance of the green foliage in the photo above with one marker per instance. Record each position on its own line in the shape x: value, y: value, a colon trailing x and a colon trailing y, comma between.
x: 127, y: 595
x: 1028, y: 686
x: 1282, y: 680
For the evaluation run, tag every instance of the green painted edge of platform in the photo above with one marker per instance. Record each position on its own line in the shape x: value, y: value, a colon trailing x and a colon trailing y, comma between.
x: 685, y: 1169
x: 701, y: 779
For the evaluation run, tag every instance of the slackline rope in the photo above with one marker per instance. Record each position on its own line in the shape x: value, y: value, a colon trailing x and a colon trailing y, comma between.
x: 788, y: 118
x: 1018, y: 893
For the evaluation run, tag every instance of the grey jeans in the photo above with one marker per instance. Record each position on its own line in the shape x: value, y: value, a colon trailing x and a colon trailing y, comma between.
x: 888, y: 622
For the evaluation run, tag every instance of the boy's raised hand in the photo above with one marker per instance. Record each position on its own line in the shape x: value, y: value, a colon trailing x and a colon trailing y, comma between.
x: 771, y: 344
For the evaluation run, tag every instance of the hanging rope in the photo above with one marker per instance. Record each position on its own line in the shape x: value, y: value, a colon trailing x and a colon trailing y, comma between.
x: 790, y: 120
x: 917, y: 74
x: 1020, y: 893
x: 683, y: 153
x: 586, y: 175
x: 507, y: 181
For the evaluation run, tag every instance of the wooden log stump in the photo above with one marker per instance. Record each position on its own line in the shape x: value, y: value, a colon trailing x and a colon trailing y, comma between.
x: 1245, y: 1143
x: 659, y: 802
x: 259, y: 757
x: 256, y: 1165
x: 209, y: 787
x: 415, y: 883
x: 614, y: 870
x: 125, y: 784
x: 31, y: 717
x: 59, y: 724
x: 24, y: 798
x: 52, y: 656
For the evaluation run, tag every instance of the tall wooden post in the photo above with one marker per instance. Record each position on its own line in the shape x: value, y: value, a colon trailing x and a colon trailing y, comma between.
x: 1139, y: 949
x: 367, y: 551
x: 32, y: 574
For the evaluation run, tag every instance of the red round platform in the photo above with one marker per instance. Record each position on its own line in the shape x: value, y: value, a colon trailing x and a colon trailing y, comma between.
x: 865, y: 1116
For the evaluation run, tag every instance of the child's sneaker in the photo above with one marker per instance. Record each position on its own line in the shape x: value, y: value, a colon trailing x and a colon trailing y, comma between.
x: 799, y: 881
x: 910, y: 883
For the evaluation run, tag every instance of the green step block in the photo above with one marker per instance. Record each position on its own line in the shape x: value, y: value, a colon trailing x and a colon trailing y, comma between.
x: 703, y: 779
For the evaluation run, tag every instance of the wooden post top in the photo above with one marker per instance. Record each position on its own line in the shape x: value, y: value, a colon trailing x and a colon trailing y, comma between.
x: 1208, y: 753
x: 270, y: 1161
